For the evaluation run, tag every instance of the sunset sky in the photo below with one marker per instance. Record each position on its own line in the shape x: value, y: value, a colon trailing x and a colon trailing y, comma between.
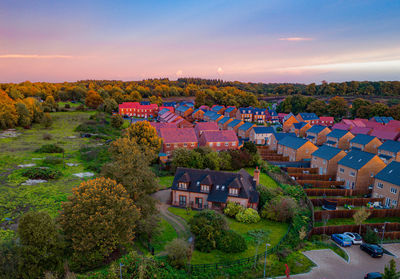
x: 258, y: 41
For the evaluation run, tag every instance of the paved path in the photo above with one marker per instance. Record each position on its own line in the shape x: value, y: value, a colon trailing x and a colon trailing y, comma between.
x: 332, y: 266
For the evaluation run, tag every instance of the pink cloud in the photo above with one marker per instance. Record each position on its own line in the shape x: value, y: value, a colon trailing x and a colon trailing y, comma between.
x: 295, y: 39
x: 33, y: 56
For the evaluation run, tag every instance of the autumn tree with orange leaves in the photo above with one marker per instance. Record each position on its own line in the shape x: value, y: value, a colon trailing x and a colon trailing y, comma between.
x: 98, y: 219
x: 8, y: 113
x: 93, y: 99
x: 144, y: 135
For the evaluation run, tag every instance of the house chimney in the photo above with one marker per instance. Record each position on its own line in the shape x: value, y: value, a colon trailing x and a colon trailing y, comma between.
x: 257, y: 176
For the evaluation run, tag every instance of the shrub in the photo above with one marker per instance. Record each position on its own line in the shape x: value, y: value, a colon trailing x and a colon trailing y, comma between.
x: 178, y: 252
x: 41, y: 173
x: 232, y: 209
x: 47, y: 136
x: 117, y: 121
x: 47, y: 121
x: 370, y: 236
x: 50, y: 148
x: 231, y: 242
x: 67, y: 106
x: 94, y: 157
x: 52, y: 160
x: 280, y: 209
x: 267, y: 194
x: 283, y: 252
x: 248, y: 216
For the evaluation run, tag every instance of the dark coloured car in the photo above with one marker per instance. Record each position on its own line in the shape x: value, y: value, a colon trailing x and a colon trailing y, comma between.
x: 373, y: 250
x: 373, y: 275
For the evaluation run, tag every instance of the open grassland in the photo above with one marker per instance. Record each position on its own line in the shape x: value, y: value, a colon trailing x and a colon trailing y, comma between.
x: 277, y: 231
x: 15, y: 198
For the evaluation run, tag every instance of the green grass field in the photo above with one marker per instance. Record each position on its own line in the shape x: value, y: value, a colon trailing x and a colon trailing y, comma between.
x: 165, y: 181
x: 264, y: 179
x: 16, y: 198
x: 167, y: 234
x: 277, y: 229
x: 350, y: 221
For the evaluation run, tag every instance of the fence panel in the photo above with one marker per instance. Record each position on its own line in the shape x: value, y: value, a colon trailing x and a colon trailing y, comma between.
x: 292, y: 170
x: 335, y: 192
x: 390, y: 228
x: 320, y: 184
x: 343, y: 201
x: 312, y: 176
x: 375, y: 213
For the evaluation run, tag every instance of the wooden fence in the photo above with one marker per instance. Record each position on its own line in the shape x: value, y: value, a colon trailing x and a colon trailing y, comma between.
x: 275, y: 158
x: 292, y: 170
x: 336, y: 192
x: 312, y: 176
x: 354, y: 202
x: 332, y: 214
x: 391, y: 229
x: 320, y: 184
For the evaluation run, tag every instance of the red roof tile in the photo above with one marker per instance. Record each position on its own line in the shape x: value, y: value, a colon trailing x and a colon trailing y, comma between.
x: 361, y: 130
x: 205, y: 126
x: 385, y: 134
x: 178, y: 135
x: 219, y: 136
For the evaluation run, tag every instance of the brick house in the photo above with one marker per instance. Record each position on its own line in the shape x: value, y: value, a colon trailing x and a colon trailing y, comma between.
x: 171, y: 109
x: 159, y: 125
x: 235, y: 124
x: 219, y: 140
x: 326, y: 121
x: 385, y: 134
x: 184, y: 111
x: 136, y: 109
x: 174, y: 138
x: 358, y: 169
x: 317, y: 134
x: 261, y: 134
x: 244, y: 130
x: 272, y: 116
x: 300, y: 128
x: 361, y: 130
x: 183, y: 123
x: 288, y: 123
x: 389, y: 151
x: 214, y: 189
x: 326, y: 159
x: 339, y: 138
x: 230, y: 112
x: 308, y: 117
x: 198, y: 114
x: 260, y: 115
x: 365, y: 143
x: 341, y: 126
x: 276, y: 137
x: 223, y: 123
x: 208, y: 114
x: 245, y: 114
x: 200, y: 127
x: 387, y: 184
x: 216, y: 117
x: 218, y: 109
x: 295, y: 148
x: 382, y: 119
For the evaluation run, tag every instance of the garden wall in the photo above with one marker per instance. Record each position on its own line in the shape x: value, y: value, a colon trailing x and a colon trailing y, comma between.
x: 292, y: 170
x: 391, y: 229
x: 335, y: 192
x: 343, y: 201
x: 375, y: 213
x: 320, y: 184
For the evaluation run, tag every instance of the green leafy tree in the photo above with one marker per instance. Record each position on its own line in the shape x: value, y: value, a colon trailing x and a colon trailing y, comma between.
x: 360, y: 216
x: 318, y: 107
x: 357, y: 103
x: 110, y: 105
x: 391, y: 271
x: 337, y: 107
x: 178, y: 252
x: 47, y: 120
x: 145, y: 136
x: 41, y: 245
x: 24, y: 117
x: 97, y: 219
x: 117, y: 121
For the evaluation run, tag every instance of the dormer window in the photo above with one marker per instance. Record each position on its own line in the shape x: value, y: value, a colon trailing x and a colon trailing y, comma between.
x: 182, y: 185
x: 205, y: 188
x: 233, y: 191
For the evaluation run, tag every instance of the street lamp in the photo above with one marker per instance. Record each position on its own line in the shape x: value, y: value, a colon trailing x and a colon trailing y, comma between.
x: 383, y: 233
x: 265, y: 259
x: 120, y: 270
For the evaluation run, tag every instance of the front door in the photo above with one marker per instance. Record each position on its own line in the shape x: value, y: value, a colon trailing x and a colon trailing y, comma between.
x: 199, y: 202
x: 182, y: 200
x: 387, y: 202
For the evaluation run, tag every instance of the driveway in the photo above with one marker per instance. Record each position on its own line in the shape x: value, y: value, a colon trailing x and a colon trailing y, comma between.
x: 331, y: 266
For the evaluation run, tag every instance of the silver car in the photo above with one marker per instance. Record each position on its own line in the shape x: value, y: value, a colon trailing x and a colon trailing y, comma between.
x: 355, y: 237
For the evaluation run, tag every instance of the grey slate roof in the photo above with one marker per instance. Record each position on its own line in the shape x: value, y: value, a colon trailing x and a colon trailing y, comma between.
x: 308, y: 116
x: 356, y: 159
x: 263, y: 130
x: 390, y: 145
x: 299, y: 125
x: 230, y: 109
x: 391, y: 173
x: 224, y: 120
x: 219, y: 181
x: 234, y: 123
x: 246, y: 126
x: 326, y: 152
x: 337, y: 133
x: 293, y: 142
x: 316, y: 129
x: 280, y: 136
x: 362, y: 139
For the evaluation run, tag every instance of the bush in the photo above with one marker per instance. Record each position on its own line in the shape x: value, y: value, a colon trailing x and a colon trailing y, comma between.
x: 117, y: 121
x: 94, y: 157
x: 52, y: 161
x: 47, y: 136
x: 47, y: 121
x: 370, y: 236
x: 231, y: 242
x: 178, y: 252
x: 248, y: 216
x: 50, y: 148
x: 281, y: 209
x: 41, y: 173
x: 67, y: 106
x: 232, y: 209
x: 267, y: 194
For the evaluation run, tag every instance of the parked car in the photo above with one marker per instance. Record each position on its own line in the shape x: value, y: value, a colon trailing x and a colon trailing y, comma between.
x: 373, y: 250
x: 373, y: 275
x: 355, y: 238
x: 341, y: 239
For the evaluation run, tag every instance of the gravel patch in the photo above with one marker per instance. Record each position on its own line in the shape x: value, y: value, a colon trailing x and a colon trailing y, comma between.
x: 27, y: 165
x: 84, y: 174
x: 34, y: 181
x: 72, y: 164
x: 11, y: 133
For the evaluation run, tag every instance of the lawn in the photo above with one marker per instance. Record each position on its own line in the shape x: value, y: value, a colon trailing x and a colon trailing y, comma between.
x: 165, y: 181
x: 16, y: 198
x: 166, y: 234
x: 277, y: 229
x: 264, y: 179
x: 350, y: 221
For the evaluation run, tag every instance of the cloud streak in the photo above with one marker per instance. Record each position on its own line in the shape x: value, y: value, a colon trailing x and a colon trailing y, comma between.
x: 296, y: 39
x: 34, y: 56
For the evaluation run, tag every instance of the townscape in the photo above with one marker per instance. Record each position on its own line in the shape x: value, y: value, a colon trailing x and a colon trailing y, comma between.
x: 209, y: 139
